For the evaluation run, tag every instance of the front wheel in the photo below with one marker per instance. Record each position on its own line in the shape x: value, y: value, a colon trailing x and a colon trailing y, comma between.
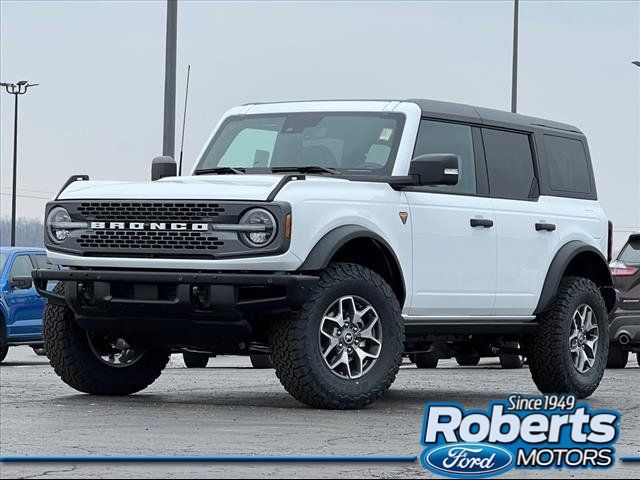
x: 97, y: 364
x: 344, y: 348
x: 568, y: 352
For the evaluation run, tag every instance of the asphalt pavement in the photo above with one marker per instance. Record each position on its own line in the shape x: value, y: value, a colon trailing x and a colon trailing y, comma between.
x: 231, y: 409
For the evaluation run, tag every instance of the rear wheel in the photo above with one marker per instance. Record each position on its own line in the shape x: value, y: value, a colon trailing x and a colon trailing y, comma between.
x: 426, y: 360
x: 618, y: 356
x: 261, y: 361
x: 467, y: 360
x: 41, y: 352
x: 97, y: 364
x: 344, y: 348
x: 568, y: 352
x: 195, y: 359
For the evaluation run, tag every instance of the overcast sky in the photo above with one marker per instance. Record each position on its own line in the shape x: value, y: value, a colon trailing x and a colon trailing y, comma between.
x: 99, y: 108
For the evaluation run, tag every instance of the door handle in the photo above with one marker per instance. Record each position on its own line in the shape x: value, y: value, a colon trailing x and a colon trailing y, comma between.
x: 481, y: 222
x: 548, y: 227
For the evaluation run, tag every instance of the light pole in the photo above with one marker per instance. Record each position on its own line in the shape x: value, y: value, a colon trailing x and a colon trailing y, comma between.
x: 514, y: 64
x: 15, y: 89
x: 169, y: 135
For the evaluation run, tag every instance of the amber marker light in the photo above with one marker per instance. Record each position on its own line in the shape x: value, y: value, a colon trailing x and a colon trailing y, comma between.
x: 287, y: 226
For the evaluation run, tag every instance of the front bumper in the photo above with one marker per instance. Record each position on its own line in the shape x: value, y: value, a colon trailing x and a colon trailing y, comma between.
x: 188, y: 308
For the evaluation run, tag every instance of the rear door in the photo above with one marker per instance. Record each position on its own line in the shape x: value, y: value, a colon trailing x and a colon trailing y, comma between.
x: 524, y: 233
x: 454, y: 242
x: 25, y: 307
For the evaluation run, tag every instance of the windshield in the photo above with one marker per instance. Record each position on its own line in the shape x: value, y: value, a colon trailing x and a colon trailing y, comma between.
x: 360, y: 143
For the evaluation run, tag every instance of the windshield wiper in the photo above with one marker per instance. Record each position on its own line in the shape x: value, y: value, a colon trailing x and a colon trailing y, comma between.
x: 306, y: 169
x: 220, y: 171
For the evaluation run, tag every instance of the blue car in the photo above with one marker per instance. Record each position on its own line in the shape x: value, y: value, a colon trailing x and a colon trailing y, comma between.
x: 21, y: 307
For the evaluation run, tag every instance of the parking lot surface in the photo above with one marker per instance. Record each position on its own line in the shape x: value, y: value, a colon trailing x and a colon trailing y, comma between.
x: 232, y: 409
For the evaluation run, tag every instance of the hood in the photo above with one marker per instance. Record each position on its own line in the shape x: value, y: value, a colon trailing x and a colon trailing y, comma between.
x: 218, y: 187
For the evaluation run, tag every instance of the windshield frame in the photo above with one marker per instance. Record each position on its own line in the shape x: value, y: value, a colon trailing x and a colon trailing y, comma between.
x: 387, y: 169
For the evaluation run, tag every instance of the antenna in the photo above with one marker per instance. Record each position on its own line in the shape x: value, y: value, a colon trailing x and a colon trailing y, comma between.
x: 184, y: 119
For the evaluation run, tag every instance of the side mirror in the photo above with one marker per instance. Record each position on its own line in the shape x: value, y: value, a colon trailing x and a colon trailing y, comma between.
x: 163, y: 167
x: 21, y: 283
x: 435, y: 169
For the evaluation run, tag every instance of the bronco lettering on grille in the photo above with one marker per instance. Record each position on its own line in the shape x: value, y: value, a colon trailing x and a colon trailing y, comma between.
x: 200, y: 227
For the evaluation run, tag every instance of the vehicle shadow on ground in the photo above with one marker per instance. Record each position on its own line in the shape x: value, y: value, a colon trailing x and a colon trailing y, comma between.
x: 401, y: 399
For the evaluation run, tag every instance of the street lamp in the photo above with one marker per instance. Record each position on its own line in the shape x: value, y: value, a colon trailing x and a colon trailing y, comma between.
x: 15, y: 89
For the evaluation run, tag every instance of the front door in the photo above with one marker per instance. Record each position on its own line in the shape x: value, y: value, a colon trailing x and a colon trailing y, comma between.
x: 25, y: 308
x: 454, y: 239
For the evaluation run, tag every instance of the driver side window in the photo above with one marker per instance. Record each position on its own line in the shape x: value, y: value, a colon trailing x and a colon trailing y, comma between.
x: 443, y: 137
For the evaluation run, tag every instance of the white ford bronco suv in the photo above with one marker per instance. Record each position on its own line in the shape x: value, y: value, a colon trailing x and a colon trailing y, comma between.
x: 338, y: 236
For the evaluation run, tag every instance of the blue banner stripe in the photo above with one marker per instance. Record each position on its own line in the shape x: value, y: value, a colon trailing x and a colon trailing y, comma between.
x: 214, y: 459
x: 630, y: 459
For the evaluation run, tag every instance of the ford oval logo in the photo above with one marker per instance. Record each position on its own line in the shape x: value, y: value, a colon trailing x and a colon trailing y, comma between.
x: 468, y: 460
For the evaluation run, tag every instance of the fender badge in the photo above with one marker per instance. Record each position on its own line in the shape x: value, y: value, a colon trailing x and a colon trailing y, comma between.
x: 403, y: 217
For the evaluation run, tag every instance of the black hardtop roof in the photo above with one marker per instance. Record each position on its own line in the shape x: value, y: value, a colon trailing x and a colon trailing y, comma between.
x: 462, y: 112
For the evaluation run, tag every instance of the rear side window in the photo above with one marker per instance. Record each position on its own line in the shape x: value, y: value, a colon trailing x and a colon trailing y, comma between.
x: 630, y: 255
x: 509, y: 163
x: 567, y: 165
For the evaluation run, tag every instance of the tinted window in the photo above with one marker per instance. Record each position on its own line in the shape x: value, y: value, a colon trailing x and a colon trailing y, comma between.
x: 440, y: 137
x: 43, y: 262
x: 509, y: 163
x: 567, y: 164
x: 630, y: 255
x: 21, y: 267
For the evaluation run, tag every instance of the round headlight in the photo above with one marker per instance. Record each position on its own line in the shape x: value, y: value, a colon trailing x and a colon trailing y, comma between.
x: 264, y: 224
x: 56, y: 216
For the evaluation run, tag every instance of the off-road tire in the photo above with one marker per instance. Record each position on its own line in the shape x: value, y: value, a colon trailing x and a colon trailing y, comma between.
x: 426, y: 360
x: 195, y: 359
x: 261, y: 361
x: 296, y: 348
x: 73, y: 360
x: 548, y: 348
x: 618, y: 356
x: 467, y: 360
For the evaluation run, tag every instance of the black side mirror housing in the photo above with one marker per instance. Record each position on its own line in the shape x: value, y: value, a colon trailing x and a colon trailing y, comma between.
x: 21, y: 283
x: 163, y: 167
x: 435, y: 169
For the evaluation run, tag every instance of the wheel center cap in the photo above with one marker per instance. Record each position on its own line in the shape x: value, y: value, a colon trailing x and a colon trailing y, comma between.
x: 348, y: 337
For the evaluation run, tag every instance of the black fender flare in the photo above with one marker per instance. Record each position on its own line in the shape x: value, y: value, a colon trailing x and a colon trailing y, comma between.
x: 321, y: 254
x: 558, y: 267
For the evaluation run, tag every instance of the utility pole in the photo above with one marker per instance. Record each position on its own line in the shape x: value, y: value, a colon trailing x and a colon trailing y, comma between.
x: 514, y: 64
x: 169, y: 135
x: 15, y: 89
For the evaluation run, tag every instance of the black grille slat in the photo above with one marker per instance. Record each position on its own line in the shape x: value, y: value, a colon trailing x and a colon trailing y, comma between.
x: 149, y: 239
x: 145, y: 211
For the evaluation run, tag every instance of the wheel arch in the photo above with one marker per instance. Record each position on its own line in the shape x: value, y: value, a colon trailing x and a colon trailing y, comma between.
x: 579, y: 259
x: 357, y: 244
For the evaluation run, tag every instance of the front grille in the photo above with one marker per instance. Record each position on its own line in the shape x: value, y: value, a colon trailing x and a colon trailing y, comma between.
x: 149, y: 239
x: 157, y: 211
